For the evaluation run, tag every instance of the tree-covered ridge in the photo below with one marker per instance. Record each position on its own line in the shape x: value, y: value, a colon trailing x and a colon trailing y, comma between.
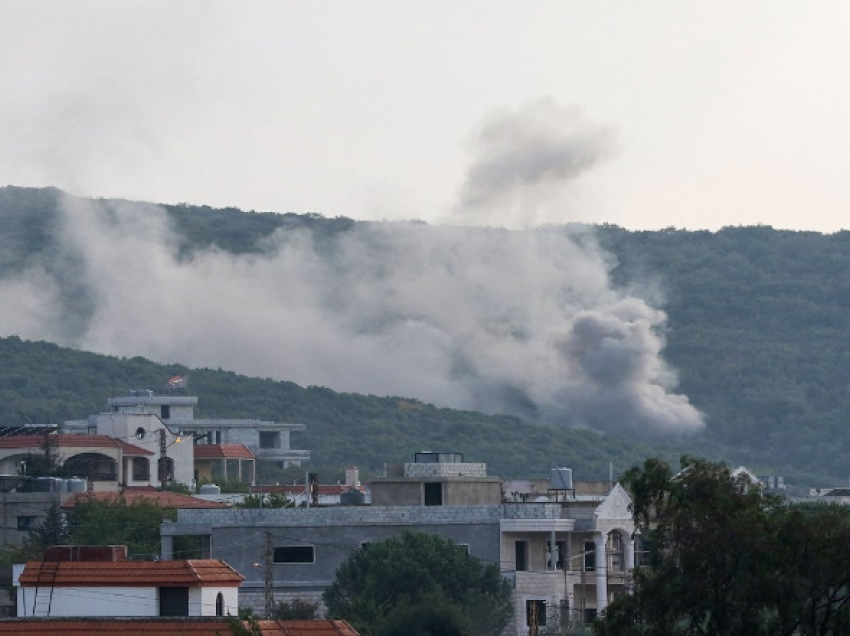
x: 759, y: 322
x: 43, y: 382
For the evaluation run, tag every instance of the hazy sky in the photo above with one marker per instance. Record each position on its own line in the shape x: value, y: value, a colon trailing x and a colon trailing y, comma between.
x: 692, y: 114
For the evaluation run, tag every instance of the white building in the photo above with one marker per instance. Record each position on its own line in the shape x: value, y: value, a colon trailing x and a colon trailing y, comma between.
x: 266, y: 439
x: 69, y: 588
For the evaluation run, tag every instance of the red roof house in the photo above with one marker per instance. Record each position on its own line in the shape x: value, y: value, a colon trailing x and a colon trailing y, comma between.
x: 201, y: 587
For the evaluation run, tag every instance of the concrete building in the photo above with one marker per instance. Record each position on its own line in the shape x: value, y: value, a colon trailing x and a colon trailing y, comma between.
x: 99, y: 581
x: 267, y: 440
x: 566, y: 554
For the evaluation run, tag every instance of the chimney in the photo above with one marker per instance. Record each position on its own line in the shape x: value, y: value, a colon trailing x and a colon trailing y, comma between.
x: 352, y: 478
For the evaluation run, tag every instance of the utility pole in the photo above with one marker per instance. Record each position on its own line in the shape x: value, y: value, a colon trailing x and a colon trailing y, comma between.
x: 269, y: 585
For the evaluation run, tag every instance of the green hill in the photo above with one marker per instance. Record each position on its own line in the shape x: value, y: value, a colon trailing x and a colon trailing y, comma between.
x: 758, y: 331
x: 43, y: 382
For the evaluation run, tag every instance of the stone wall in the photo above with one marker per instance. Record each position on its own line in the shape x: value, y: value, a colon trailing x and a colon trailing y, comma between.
x: 445, y: 470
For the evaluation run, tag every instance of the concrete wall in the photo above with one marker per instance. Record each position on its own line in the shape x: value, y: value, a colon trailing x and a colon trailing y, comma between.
x: 202, y: 600
x: 457, y: 491
x: 396, y: 493
x: 23, y: 504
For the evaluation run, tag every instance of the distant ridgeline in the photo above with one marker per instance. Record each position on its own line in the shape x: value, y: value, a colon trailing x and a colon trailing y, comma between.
x: 758, y: 331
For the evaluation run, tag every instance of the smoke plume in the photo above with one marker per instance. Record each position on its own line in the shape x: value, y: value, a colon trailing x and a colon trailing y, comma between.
x: 525, y: 162
x: 501, y: 321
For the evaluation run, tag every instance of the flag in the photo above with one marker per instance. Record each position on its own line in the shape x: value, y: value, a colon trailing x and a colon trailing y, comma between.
x: 178, y: 382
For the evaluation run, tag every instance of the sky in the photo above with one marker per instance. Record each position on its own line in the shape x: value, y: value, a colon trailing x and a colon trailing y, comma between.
x: 643, y: 114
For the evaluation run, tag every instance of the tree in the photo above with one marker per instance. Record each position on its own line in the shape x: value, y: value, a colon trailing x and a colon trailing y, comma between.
x: 51, y: 530
x: 296, y: 610
x: 727, y: 560
x: 419, y: 584
x: 269, y: 500
x: 117, y: 522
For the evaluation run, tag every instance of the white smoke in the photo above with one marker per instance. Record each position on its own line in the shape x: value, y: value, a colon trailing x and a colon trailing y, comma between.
x: 488, y: 319
x: 496, y: 320
x: 525, y: 164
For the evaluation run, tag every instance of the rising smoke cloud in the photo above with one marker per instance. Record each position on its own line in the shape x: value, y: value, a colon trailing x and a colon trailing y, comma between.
x: 491, y: 319
x: 525, y: 163
x: 483, y: 318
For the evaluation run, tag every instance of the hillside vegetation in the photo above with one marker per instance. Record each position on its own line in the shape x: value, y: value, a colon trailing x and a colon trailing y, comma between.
x: 758, y: 330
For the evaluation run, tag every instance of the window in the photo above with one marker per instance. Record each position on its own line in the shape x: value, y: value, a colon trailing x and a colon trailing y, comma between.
x: 559, y: 556
x: 433, y: 494
x: 269, y: 439
x: 165, y: 411
x: 165, y: 469
x: 219, y: 604
x: 141, y: 432
x: 615, y: 549
x: 521, y: 555
x: 141, y: 469
x: 589, y: 615
x: 27, y: 523
x: 295, y: 554
x: 535, y: 614
x: 174, y: 601
x: 589, y: 555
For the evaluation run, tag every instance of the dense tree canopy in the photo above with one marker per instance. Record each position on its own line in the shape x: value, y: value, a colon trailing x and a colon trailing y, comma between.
x: 419, y: 584
x: 727, y: 560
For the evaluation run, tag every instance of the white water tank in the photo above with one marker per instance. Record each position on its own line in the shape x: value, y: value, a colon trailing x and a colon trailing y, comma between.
x: 76, y: 484
x: 561, y: 479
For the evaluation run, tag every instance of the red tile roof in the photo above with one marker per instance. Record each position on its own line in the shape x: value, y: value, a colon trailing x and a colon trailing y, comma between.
x: 71, y: 441
x: 164, y: 627
x: 222, y: 451
x: 164, y: 499
x: 195, y: 573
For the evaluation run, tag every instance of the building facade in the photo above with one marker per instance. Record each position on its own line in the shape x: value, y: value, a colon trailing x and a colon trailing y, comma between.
x: 565, y: 557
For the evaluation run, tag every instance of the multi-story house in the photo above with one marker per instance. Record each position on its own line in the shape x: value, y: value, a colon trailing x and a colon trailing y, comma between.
x: 267, y: 440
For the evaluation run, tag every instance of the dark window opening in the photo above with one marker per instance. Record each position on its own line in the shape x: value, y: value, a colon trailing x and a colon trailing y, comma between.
x: 559, y: 556
x: 295, y: 554
x: 535, y: 613
x: 165, y: 411
x: 219, y: 604
x: 165, y: 469
x: 521, y: 555
x: 433, y: 494
x: 269, y: 439
x: 174, y: 601
x: 589, y: 555
x: 27, y: 523
x: 589, y: 615
x: 141, y: 469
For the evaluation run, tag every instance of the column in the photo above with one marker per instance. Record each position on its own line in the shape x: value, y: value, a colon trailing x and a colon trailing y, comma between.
x: 600, y: 541
x: 167, y: 549
x: 552, y: 563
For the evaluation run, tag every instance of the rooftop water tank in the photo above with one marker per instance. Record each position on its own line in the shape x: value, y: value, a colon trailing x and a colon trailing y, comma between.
x: 352, y: 498
x: 210, y: 489
x: 561, y: 479
x: 76, y: 484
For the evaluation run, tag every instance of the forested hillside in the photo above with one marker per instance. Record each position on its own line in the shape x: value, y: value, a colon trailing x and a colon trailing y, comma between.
x: 758, y: 324
x: 42, y: 382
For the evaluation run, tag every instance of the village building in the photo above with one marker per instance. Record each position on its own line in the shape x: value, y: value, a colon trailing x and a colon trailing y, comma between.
x: 76, y: 581
x: 566, y: 552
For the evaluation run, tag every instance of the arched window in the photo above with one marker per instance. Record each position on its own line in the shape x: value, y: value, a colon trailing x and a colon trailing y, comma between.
x: 219, y: 604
